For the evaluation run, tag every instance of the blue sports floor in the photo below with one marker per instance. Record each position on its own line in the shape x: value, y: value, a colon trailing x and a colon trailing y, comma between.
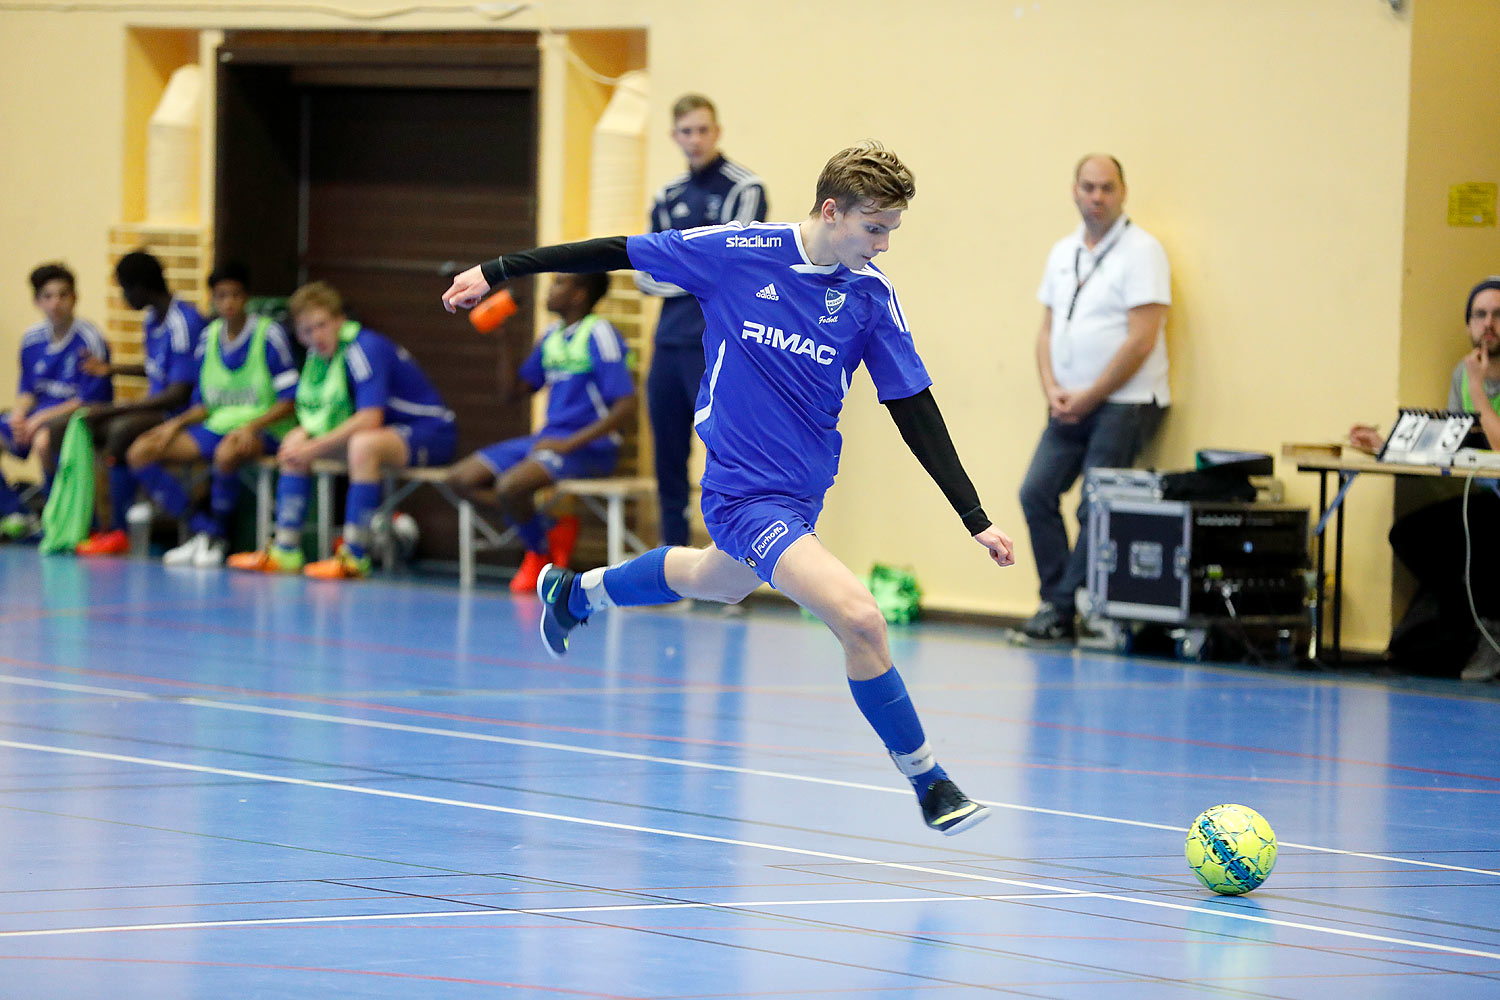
x: 226, y: 785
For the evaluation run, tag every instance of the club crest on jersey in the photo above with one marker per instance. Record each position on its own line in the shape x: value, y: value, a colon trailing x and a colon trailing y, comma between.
x: 833, y: 300
x: 792, y: 343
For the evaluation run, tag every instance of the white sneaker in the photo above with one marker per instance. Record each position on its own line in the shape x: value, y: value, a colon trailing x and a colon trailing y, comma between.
x: 140, y: 512
x: 187, y: 553
x: 212, y: 554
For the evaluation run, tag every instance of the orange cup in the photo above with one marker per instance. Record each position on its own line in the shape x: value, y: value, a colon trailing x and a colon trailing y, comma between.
x: 489, y: 314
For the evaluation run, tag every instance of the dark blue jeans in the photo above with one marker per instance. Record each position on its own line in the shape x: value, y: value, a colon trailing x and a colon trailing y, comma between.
x: 1110, y: 438
x: 671, y: 394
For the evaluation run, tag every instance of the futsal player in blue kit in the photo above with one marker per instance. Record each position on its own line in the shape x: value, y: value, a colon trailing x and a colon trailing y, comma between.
x: 792, y: 311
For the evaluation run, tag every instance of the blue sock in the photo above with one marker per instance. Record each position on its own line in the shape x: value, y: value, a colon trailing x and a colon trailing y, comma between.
x: 358, y: 506
x: 291, y: 508
x: 10, y: 500
x: 642, y: 580
x: 164, y: 489
x: 533, y: 534
x: 122, y: 487
x: 888, y: 709
x: 223, y: 495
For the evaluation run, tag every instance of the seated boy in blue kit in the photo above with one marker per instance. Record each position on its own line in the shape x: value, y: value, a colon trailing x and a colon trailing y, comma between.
x: 169, y: 340
x: 54, y: 383
x: 360, y: 399
x: 241, y: 406
x: 580, y: 360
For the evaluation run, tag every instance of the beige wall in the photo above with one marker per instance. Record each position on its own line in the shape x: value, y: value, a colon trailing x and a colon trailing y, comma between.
x: 1454, y: 139
x: 1265, y: 145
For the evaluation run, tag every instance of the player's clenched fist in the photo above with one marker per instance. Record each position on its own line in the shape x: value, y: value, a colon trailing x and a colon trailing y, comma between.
x: 466, y: 291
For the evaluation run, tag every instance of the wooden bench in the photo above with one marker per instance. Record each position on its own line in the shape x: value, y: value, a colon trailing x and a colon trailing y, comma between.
x: 604, y: 497
x: 259, y: 473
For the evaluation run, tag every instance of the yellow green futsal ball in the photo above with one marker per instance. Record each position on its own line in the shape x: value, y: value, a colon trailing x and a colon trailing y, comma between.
x: 1231, y: 849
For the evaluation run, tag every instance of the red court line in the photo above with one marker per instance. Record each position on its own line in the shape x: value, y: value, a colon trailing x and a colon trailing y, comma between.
x: 1208, y: 744
x: 417, y: 712
x: 411, y: 651
x: 315, y: 968
x: 84, y: 611
x: 733, y: 744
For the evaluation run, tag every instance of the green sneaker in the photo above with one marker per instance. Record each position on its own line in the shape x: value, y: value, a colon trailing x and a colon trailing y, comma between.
x: 272, y: 559
x: 18, y: 526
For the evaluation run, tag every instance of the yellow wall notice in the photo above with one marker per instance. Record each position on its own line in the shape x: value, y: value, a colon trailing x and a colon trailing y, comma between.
x: 1472, y: 204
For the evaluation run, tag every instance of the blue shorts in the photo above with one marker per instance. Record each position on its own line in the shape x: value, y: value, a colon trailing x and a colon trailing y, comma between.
x: 429, y: 442
x: 597, y: 458
x: 8, y: 439
x: 207, y: 441
x: 757, y: 530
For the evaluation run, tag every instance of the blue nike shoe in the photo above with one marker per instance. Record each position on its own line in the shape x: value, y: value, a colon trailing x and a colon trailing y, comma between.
x: 553, y: 586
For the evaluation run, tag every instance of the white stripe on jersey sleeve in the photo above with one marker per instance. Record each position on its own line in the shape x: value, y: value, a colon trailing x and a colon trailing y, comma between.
x: 92, y: 338
x: 36, y: 334
x: 650, y: 286
x: 607, y: 340
x: 286, y: 378
x: 354, y: 357
x: 276, y: 341
x: 177, y: 330
x: 693, y: 234
x: 893, y: 305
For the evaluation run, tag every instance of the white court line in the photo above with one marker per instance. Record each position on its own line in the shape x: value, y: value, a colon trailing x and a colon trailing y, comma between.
x: 1060, y: 891
x: 672, y: 761
x: 484, y: 910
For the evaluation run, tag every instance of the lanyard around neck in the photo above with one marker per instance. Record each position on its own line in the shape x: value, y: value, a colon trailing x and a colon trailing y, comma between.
x: 1098, y: 263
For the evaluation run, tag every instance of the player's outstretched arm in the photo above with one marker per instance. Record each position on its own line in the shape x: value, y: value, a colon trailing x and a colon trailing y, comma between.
x: 925, y: 433
x: 582, y: 257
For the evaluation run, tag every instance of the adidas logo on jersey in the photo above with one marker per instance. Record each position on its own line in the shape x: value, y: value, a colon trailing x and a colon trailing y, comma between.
x: 769, y: 292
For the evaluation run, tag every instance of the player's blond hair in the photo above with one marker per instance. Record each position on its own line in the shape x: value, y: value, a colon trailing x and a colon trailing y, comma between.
x: 867, y: 175
x: 315, y: 294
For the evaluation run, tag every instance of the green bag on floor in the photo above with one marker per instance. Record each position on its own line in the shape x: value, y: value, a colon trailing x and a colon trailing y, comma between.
x: 896, y: 593
x: 70, y: 506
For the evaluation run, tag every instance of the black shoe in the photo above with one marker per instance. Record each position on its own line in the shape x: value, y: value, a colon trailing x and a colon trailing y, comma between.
x: 1050, y: 624
x: 948, y: 810
x: 553, y: 586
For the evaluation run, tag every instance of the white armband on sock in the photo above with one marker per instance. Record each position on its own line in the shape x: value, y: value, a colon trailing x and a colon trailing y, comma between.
x: 919, y: 761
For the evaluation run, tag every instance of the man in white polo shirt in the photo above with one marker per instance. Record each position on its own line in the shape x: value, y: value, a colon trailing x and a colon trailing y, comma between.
x: 1102, y: 359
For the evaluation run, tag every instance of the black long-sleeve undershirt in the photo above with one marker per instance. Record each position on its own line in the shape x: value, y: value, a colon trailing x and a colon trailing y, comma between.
x: 918, y: 417
x: 922, y: 428
x: 584, y: 257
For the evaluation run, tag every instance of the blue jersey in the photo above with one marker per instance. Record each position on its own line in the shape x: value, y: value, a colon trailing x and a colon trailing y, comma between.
x: 784, y: 338
x: 233, y: 353
x: 52, y: 370
x: 575, y: 398
x: 383, y: 374
x: 721, y: 192
x: 171, y: 343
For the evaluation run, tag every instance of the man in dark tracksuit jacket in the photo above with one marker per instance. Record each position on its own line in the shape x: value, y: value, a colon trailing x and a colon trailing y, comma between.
x: 712, y: 191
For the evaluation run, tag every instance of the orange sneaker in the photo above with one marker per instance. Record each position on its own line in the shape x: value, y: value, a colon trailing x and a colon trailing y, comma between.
x: 105, y: 543
x: 341, y: 567
x: 561, y: 539
x: 524, y: 582
x: 272, y: 559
